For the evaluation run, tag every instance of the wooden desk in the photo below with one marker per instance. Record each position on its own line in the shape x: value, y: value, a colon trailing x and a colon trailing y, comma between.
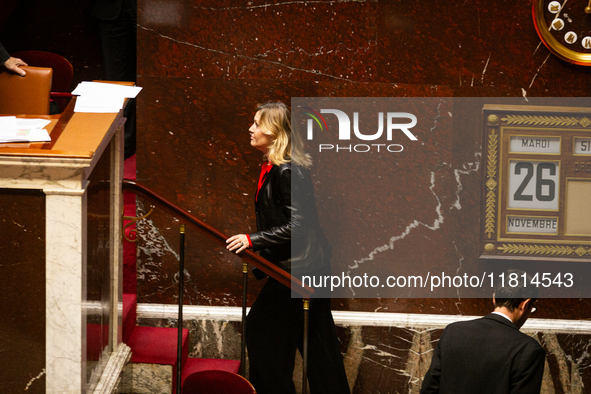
x: 59, y: 182
x: 67, y: 140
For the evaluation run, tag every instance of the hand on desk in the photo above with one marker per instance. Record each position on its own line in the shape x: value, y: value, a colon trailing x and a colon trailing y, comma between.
x: 13, y: 65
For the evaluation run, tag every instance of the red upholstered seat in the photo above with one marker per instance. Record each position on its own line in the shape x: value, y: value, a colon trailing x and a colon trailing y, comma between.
x: 193, y: 365
x: 216, y: 382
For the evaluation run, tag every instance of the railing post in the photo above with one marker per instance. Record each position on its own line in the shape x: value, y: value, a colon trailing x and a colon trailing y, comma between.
x: 179, y: 353
x: 305, y: 345
x: 243, y: 343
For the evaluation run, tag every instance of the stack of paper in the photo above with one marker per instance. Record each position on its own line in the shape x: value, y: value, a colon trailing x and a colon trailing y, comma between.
x: 13, y: 129
x: 102, y: 97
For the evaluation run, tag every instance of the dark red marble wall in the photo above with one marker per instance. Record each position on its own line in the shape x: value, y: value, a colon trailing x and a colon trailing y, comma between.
x: 22, y: 269
x: 204, y: 68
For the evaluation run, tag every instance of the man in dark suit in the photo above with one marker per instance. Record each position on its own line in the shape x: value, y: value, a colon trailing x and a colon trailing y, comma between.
x: 490, y: 354
x: 117, y: 20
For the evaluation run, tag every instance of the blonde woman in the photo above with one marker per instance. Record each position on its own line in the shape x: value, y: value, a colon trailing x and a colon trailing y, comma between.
x: 288, y: 235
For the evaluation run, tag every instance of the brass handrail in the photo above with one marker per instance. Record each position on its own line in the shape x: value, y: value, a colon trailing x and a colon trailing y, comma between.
x: 259, y: 262
x: 266, y: 266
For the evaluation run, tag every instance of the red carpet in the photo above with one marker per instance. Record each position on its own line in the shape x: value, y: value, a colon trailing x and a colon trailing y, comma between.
x: 129, y: 248
x: 129, y: 316
x: 158, y: 345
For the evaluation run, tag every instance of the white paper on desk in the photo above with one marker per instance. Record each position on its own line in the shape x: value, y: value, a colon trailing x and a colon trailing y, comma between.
x: 32, y: 135
x: 33, y: 129
x: 99, y: 104
x: 8, y: 126
x: 25, y: 130
x: 27, y: 123
x: 106, y: 89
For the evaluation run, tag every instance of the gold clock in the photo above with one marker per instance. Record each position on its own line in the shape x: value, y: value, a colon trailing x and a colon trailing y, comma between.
x: 564, y: 26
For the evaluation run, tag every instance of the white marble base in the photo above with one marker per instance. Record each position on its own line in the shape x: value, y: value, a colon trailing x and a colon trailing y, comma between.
x: 346, y: 318
x: 41, y: 173
x: 385, y: 352
x: 112, y: 375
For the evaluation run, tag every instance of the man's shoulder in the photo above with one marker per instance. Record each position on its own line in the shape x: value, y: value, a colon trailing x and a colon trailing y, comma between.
x: 466, y: 324
x: 503, y: 328
x: 464, y: 329
x: 486, y: 323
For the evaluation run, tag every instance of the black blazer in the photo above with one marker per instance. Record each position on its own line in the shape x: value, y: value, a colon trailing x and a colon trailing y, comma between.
x: 288, y: 231
x: 4, y: 56
x: 108, y: 10
x: 485, y: 356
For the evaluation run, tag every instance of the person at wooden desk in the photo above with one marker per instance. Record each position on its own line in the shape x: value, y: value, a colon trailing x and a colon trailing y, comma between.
x: 11, y: 63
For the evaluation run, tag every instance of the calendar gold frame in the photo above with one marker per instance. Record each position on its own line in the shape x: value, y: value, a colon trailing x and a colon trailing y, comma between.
x: 499, y: 123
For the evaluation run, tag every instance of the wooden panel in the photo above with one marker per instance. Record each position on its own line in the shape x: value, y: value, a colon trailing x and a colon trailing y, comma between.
x: 578, y: 215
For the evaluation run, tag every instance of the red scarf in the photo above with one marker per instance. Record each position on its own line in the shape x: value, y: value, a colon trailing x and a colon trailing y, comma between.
x: 265, y: 168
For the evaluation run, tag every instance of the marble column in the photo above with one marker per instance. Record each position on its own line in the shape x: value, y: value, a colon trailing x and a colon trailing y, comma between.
x: 66, y: 254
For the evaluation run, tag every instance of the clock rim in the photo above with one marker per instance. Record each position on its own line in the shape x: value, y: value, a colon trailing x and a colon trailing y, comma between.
x: 555, y: 46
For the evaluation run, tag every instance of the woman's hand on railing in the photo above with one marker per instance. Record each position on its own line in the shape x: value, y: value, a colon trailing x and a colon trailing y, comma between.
x: 237, y: 242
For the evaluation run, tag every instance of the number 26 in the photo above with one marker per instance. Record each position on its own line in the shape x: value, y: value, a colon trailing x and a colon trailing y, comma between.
x: 529, y: 167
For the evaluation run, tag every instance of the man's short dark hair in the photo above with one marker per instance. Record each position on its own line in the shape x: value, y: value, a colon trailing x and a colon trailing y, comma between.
x: 511, y: 296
